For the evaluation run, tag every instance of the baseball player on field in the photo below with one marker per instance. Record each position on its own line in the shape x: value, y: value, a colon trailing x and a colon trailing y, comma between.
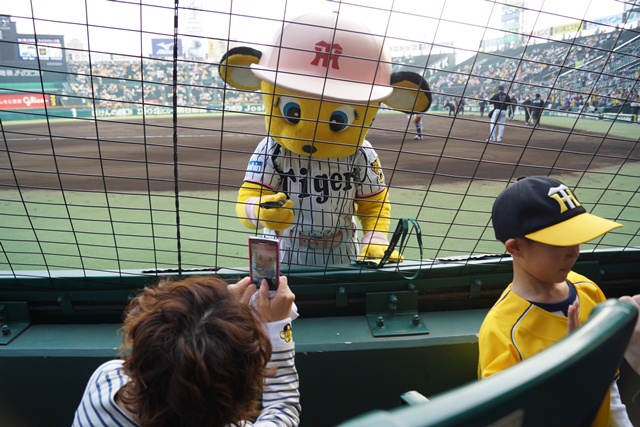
x: 500, y: 102
x: 417, y: 120
x: 537, y: 105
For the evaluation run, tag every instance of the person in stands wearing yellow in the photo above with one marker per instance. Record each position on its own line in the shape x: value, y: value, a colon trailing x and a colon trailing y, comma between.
x: 542, y: 223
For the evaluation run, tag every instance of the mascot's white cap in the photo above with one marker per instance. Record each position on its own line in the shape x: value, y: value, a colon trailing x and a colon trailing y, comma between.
x: 327, y: 56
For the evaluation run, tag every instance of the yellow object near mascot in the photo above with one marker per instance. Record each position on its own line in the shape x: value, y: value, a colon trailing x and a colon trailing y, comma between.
x: 322, y: 81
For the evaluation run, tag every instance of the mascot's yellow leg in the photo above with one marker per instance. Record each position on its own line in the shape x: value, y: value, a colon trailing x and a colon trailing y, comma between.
x: 259, y: 207
x: 374, y: 214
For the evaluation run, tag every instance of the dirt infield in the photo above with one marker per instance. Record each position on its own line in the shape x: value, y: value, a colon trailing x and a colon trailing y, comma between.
x: 213, y: 152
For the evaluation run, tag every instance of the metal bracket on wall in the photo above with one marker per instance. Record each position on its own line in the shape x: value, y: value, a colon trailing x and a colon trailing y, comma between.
x: 65, y: 304
x: 474, y: 288
x: 341, y: 297
x: 394, y: 313
x: 14, y: 318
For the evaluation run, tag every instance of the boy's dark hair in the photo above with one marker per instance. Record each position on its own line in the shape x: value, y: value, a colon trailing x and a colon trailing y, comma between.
x: 195, y: 354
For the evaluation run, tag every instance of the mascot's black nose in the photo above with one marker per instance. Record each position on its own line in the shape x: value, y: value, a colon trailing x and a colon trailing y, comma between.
x: 309, y: 149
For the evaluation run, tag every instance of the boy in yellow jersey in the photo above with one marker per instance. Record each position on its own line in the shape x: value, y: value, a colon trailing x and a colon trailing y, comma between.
x: 542, y: 224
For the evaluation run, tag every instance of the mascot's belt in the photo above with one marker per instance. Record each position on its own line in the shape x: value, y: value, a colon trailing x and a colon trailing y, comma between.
x: 322, y: 242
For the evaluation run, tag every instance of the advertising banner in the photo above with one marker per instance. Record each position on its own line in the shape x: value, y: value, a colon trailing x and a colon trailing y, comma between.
x: 24, y: 100
x: 163, y: 48
x: 47, y: 48
x: 607, y: 21
x: 571, y: 28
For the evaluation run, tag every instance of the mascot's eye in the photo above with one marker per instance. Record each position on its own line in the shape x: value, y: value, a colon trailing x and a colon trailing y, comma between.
x: 290, y: 109
x: 341, y: 118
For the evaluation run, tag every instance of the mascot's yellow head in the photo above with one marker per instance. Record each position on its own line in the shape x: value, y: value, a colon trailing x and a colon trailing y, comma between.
x: 322, y: 82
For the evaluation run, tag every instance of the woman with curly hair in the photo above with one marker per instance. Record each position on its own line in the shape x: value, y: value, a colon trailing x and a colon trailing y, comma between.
x: 196, y: 352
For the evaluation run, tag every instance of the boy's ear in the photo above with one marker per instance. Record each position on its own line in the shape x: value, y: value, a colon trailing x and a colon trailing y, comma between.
x: 235, y: 68
x: 411, y: 93
x: 513, y: 247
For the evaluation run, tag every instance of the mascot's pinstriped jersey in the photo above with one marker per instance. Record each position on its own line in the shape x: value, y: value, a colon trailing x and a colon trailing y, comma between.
x: 323, y: 201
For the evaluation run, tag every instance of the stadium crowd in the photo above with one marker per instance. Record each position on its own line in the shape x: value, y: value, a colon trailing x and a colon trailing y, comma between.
x: 584, y: 72
x: 121, y: 83
x: 581, y: 73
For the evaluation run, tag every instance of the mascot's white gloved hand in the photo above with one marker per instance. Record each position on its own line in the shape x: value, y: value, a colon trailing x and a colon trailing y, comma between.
x: 376, y: 245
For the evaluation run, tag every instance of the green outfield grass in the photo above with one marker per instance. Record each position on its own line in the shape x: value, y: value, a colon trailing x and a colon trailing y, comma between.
x: 78, y: 230
x: 90, y: 231
x: 616, y: 128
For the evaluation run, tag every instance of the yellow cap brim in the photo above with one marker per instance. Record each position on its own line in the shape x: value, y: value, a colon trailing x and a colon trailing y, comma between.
x: 574, y: 231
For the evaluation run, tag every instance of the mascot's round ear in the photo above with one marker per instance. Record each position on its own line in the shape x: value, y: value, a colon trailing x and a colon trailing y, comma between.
x: 235, y: 68
x: 411, y: 93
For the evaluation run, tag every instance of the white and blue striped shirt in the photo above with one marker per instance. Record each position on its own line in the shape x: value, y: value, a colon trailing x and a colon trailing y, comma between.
x: 280, y: 399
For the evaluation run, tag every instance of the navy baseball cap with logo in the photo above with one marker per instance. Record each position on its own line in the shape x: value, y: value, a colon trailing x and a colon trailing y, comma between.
x: 545, y: 210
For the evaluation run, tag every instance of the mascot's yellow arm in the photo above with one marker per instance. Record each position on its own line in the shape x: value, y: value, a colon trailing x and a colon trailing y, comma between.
x: 373, y: 212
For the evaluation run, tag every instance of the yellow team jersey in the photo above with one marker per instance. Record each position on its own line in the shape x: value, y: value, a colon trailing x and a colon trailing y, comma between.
x: 516, y: 329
